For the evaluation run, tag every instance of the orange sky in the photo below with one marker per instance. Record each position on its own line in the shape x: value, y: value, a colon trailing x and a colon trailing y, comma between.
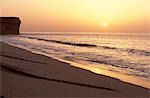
x: 80, y: 15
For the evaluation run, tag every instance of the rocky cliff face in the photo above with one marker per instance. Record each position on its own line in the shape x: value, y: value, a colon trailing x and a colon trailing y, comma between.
x: 9, y: 25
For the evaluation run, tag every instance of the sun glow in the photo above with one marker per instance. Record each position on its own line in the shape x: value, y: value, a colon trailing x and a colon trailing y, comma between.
x: 104, y: 24
x: 79, y: 15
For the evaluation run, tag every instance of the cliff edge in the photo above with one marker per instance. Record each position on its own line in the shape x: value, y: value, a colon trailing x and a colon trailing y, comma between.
x: 9, y: 25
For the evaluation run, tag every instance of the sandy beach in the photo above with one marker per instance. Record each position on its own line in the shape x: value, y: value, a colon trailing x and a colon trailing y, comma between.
x: 25, y: 74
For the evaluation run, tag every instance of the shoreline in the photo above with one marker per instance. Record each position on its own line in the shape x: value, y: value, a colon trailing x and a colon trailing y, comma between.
x: 22, y: 63
x: 135, y: 80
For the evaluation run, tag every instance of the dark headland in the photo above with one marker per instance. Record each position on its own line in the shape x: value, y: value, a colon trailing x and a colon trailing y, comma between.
x: 9, y: 25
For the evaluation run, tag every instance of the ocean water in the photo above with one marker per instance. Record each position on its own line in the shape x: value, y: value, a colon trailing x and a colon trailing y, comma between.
x: 126, y: 53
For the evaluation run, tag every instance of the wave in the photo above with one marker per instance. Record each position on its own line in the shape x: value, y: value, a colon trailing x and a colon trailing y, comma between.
x: 129, y: 51
x: 139, y: 52
x: 131, y: 68
x: 107, y: 47
x: 69, y: 43
x: 115, y: 64
x: 63, y: 42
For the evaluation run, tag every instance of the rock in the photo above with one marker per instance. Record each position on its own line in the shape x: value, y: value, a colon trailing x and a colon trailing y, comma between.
x: 9, y: 25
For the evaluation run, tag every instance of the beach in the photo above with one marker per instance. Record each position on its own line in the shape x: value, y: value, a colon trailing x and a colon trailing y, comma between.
x: 26, y: 74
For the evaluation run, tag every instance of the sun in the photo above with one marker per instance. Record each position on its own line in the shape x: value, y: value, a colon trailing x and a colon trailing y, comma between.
x: 104, y: 24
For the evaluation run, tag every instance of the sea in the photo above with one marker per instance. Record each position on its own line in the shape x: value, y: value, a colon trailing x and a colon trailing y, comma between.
x: 123, y: 53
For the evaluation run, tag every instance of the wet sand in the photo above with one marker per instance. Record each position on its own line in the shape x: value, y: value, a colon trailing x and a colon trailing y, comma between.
x: 25, y: 74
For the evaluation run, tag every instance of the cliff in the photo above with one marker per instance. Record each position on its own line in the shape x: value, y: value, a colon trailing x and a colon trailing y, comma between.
x: 9, y: 25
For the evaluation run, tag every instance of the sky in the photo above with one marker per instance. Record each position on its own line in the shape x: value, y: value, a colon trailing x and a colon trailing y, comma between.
x: 79, y: 15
